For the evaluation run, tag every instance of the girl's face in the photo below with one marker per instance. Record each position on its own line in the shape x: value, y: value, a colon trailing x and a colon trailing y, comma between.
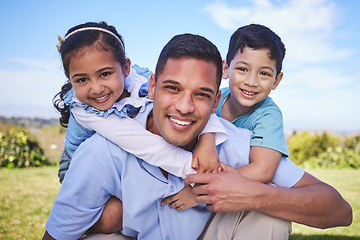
x: 97, y: 78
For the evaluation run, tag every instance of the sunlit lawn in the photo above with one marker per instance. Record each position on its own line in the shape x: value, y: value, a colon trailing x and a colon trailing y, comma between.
x: 26, y: 197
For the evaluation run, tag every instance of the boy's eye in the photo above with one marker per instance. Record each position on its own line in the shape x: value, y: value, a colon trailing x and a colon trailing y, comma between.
x: 265, y: 74
x: 242, y: 69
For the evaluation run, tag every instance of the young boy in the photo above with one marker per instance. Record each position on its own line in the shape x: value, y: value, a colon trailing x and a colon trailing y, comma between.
x: 253, y: 65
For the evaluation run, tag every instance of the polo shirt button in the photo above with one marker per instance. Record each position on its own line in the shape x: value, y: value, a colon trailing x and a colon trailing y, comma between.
x: 172, y: 189
x: 168, y: 238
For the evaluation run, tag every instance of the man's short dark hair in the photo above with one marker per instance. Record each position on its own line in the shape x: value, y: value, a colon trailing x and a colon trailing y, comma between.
x: 191, y: 46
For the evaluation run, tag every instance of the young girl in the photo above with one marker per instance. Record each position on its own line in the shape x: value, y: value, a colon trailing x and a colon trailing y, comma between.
x: 94, y: 62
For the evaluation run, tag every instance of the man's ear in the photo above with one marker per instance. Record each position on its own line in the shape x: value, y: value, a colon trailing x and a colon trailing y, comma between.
x: 151, y: 89
x: 277, y: 80
x: 217, y: 99
x: 225, y: 70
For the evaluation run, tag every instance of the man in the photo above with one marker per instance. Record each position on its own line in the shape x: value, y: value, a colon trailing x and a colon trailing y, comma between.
x: 185, y: 93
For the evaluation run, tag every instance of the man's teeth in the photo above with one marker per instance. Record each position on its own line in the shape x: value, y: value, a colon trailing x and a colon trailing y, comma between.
x: 101, y: 98
x: 248, y: 93
x: 180, y: 122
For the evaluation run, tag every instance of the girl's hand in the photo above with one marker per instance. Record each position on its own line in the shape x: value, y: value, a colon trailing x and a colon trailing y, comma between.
x: 205, y: 157
x: 182, y: 200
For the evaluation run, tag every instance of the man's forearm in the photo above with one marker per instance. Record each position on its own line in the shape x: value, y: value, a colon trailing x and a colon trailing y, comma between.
x: 310, y: 202
x: 317, y: 205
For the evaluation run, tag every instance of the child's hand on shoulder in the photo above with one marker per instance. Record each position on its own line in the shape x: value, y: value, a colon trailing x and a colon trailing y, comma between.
x: 205, y: 157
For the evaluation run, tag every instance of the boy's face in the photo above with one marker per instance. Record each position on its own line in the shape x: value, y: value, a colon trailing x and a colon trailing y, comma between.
x: 252, y: 76
x: 185, y: 94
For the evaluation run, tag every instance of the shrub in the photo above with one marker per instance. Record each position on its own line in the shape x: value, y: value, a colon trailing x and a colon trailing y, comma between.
x: 324, y: 150
x: 19, y: 150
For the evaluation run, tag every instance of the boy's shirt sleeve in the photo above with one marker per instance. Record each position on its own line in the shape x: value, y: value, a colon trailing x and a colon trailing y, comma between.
x: 268, y: 131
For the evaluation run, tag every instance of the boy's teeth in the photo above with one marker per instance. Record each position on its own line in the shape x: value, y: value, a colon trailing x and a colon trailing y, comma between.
x: 180, y: 122
x: 248, y: 93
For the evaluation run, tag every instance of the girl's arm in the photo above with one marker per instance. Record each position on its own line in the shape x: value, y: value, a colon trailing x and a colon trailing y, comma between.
x: 263, y: 164
x: 134, y: 138
x: 205, y: 157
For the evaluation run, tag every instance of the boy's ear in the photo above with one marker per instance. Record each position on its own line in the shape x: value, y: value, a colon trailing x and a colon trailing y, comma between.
x: 151, y: 88
x: 277, y: 80
x: 225, y: 70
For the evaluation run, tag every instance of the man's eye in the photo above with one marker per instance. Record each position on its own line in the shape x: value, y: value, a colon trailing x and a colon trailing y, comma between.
x: 204, y: 95
x: 171, y: 88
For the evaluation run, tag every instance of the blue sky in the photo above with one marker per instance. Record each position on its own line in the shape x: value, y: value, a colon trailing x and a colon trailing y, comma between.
x: 321, y: 84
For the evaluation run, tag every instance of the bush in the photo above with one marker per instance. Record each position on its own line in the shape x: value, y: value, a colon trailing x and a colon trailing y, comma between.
x: 19, y: 150
x: 324, y: 150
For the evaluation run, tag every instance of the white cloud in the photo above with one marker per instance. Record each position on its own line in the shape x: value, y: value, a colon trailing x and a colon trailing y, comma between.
x: 306, y: 27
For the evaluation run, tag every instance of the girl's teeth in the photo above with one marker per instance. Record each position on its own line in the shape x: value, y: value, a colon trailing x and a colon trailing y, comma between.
x: 180, y: 122
x: 101, y: 98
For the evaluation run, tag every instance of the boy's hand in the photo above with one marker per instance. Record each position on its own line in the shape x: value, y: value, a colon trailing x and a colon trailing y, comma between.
x: 182, y: 200
x: 205, y: 157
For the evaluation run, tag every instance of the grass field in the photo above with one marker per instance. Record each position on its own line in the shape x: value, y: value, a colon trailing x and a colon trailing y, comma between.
x: 26, y: 197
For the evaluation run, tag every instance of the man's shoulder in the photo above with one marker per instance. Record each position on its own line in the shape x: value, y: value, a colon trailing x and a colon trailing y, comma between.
x: 234, y: 131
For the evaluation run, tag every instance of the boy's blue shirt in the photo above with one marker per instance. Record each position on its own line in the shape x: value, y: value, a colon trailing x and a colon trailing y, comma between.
x: 265, y: 121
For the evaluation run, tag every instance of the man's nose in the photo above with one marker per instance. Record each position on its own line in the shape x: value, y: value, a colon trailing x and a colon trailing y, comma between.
x: 185, y: 104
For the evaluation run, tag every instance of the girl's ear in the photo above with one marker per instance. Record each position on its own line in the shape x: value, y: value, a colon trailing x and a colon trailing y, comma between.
x: 127, y: 67
x: 277, y: 80
x: 151, y: 88
x: 225, y: 70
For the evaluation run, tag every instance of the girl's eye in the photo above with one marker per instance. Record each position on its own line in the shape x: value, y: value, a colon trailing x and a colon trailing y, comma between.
x: 105, y: 74
x: 81, y: 80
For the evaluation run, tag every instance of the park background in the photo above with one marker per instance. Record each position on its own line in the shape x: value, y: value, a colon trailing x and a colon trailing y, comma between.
x: 318, y: 95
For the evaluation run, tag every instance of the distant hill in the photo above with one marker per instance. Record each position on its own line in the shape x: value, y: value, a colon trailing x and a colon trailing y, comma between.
x: 29, y: 122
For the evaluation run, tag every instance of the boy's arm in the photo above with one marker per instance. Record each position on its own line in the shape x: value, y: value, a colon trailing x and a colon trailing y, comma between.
x: 263, y: 164
x: 134, y: 138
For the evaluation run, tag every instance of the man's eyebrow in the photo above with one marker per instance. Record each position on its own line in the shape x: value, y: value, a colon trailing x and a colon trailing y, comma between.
x: 207, y: 90
x: 171, y: 81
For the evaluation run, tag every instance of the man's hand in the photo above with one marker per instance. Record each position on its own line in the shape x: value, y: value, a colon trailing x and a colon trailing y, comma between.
x: 228, y: 191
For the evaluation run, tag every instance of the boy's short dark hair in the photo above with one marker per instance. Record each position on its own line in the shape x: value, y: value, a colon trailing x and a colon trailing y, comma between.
x: 192, y: 46
x: 257, y: 36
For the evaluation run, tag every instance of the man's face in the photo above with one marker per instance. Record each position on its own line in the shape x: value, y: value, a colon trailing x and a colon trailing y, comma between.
x: 185, y: 94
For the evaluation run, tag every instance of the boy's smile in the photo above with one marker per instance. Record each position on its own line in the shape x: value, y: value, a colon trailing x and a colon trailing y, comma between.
x: 185, y: 94
x: 97, y: 78
x: 252, y: 76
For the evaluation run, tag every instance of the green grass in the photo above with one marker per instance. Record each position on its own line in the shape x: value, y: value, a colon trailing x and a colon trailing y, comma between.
x: 26, y: 198
x: 347, y: 182
x: 27, y: 195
